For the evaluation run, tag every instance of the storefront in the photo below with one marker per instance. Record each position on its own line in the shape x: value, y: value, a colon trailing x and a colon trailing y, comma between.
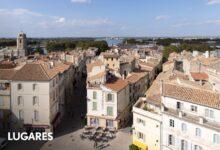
x: 109, y: 123
x: 94, y: 122
x: 35, y: 128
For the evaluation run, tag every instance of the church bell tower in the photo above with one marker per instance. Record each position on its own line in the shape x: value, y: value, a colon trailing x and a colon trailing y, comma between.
x: 22, y: 44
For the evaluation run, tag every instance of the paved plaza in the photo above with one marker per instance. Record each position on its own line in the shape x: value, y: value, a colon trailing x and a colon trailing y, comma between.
x: 68, y: 138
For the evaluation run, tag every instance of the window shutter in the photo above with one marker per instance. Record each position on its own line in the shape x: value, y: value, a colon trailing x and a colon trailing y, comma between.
x: 34, y: 100
x: 106, y: 97
x: 173, y: 140
x: 207, y: 113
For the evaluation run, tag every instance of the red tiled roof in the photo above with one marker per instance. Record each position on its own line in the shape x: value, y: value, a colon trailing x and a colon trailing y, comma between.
x: 116, y: 84
x: 7, y: 74
x: 199, y: 76
x: 94, y: 64
x: 193, y: 95
x: 39, y: 71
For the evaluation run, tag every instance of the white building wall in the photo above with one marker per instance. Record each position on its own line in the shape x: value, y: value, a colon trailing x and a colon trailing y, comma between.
x: 214, y: 80
x: 96, y: 70
x: 27, y: 94
x: 151, y: 128
x: 186, y: 107
x: 186, y: 66
x: 99, y: 100
x: 207, y: 132
x: 120, y: 102
x: 113, y: 104
x: 205, y: 140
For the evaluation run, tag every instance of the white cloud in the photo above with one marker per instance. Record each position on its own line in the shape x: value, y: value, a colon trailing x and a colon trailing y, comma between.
x: 43, y: 20
x: 19, y: 12
x: 209, y: 22
x: 213, y: 2
x: 60, y: 20
x: 95, y: 22
x: 81, y: 1
x: 181, y: 24
x: 39, y: 24
x: 162, y: 17
x: 216, y: 22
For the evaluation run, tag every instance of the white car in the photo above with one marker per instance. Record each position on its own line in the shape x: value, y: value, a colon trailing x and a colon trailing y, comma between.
x: 3, y: 143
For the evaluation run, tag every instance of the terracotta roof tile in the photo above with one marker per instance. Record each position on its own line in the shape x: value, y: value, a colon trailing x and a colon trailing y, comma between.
x: 199, y: 75
x: 31, y: 72
x: 136, y: 76
x: 144, y: 64
x: 116, y: 84
x: 7, y: 74
x: 97, y: 76
x: 39, y: 71
x: 94, y: 64
x: 192, y: 95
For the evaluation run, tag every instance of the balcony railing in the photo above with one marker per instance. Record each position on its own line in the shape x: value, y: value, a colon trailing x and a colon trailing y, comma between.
x: 193, y: 118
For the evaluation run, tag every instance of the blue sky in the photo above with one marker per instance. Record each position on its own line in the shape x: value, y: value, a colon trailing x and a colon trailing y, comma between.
x: 92, y: 18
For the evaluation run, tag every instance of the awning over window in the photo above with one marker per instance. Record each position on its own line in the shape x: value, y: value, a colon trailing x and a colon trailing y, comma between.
x: 140, y: 145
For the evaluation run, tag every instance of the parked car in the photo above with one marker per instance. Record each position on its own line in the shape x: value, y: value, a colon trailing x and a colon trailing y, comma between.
x: 3, y: 143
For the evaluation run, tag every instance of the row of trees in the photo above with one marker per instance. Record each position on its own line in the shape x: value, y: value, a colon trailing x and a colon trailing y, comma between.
x: 66, y: 45
x: 7, y: 42
x: 168, y: 41
x: 12, y: 42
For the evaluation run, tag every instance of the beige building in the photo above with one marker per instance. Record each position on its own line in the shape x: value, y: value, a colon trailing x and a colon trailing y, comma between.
x: 138, y: 82
x: 96, y: 73
x: 107, y: 104
x: 36, y: 96
x: 169, y: 65
x: 190, y: 118
x: 147, y: 124
x: 111, y: 60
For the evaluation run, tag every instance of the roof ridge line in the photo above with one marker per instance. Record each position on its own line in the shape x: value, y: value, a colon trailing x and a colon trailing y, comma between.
x: 196, y: 88
x: 44, y: 71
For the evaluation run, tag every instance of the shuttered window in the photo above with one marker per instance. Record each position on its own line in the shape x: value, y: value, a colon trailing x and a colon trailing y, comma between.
x: 109, y: 111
